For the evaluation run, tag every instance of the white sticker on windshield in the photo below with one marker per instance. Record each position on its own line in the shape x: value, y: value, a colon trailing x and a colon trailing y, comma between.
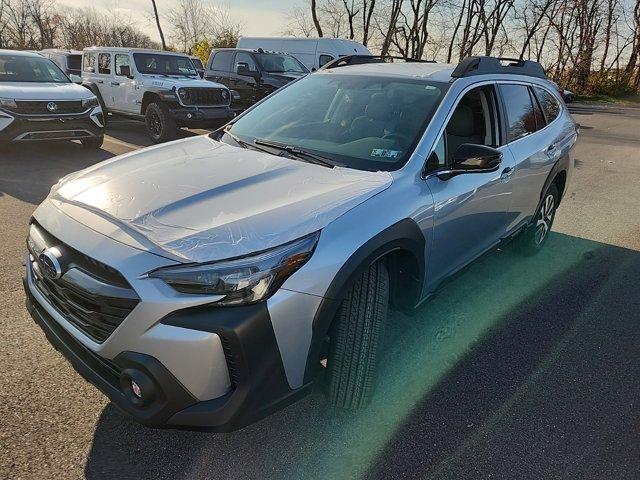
x: 384, y: 153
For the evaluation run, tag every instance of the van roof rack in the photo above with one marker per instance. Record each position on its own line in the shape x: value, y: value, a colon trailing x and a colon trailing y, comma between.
x: 366, y: 59
x: 496, y: 65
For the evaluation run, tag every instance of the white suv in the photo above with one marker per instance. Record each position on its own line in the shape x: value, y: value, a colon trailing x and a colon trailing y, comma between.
x: 161, y: 88
x: 39, y: 102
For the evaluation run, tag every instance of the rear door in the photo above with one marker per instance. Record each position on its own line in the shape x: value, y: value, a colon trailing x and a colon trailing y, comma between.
x: 105, y: 79
x: 532, y: 144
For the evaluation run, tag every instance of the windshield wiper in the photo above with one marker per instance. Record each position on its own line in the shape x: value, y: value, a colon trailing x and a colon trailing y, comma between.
x: 245, y: 144
x: 297, y: 152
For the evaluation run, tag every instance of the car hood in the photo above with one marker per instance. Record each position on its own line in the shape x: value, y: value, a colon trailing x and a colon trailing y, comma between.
x: 43, y: 91
x: 287, y: 77
x: 179, y: 81
x: 201, y: 200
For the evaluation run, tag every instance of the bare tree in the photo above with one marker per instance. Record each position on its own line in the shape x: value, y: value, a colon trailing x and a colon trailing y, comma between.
x: 157, y: 17
x: 314, y: 15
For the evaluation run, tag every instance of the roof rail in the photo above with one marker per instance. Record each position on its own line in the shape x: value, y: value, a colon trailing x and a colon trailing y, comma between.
x: 365, y: 59
x: 496, y: 65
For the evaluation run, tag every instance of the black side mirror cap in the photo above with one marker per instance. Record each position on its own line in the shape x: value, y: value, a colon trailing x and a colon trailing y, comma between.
x: 471, y: 157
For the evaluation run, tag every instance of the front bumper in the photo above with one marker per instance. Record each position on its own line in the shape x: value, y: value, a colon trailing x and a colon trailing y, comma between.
x: 24, y: 128
x: 259, y: 384
x: 202, y: 117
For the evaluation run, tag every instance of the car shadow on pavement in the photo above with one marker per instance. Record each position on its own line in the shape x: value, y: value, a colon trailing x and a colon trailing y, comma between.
x: 133, y: 132
x: 521, y: 367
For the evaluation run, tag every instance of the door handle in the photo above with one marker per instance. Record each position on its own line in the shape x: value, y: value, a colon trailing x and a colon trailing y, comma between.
x: 506, y: 174
x: 551, y: 148
x: 99, y: 81
x: 115, y: 84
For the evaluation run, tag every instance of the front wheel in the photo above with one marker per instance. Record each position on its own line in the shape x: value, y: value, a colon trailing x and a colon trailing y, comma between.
x: 92, y: 143
x: 534, y: 237
x: 160, y: 126
x: 355, y: 338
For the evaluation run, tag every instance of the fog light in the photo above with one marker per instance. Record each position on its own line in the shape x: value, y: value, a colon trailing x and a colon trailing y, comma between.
x: 135, y: 388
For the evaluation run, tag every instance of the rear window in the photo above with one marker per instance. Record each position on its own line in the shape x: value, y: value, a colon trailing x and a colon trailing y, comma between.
x: 222, y: 61
x: 549, y: 104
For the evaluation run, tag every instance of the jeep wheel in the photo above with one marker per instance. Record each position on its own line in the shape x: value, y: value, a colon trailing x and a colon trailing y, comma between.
x: 160, y: 126
x: 354, y: 339
x: 534, y: 237
x: 93, y: 143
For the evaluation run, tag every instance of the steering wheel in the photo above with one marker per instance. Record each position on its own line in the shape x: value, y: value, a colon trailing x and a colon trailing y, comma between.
x: 400, y: 138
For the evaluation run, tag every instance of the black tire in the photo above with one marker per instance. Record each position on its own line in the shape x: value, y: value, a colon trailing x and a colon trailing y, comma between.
x: 354, y: 340
x: 93, y: 143
x: 160, y: 126
x: 536, y: 234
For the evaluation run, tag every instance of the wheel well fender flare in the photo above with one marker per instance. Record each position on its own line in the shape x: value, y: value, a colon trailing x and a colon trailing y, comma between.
x: 157, y: 94
x: 94, y: 89
x: 559, y: 168
x: 404, y: 236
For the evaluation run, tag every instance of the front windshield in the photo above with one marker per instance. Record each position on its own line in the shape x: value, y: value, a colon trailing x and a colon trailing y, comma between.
x: 159, y: 64
x: 363, y: 122
x: 276, y: 63
x: 21, y: 68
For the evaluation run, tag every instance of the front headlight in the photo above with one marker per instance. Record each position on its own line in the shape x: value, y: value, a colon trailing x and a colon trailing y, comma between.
x: 8, y: 103
x: 90, y: 102
x: 242, y: 281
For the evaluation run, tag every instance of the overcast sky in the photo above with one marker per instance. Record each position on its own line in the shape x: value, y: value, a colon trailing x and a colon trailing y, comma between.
x: 258, y: 17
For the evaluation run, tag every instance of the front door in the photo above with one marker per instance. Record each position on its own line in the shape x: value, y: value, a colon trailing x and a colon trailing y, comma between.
x: 124, y: 88
x: 471, y: 209
x: 246, y: 86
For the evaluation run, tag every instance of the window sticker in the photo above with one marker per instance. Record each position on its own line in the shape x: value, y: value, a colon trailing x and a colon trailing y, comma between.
x: 384, y: 153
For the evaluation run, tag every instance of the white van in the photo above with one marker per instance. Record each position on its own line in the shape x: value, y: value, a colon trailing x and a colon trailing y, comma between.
x: 312, y: 52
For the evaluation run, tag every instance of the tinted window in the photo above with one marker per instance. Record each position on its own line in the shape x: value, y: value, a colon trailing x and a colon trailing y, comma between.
x: 243, y: 57
x: 324, y: 59
x: 104, y: 63
x: 550, y: 105
x: 89, y: 62
x: 540, y: 122
x: 15, y: 68
x: 520, y: 114
x: 222, y: 61
x: 122, y: 61
x: 74, y: 62
x: 365, y: 122
x: 276, y: 63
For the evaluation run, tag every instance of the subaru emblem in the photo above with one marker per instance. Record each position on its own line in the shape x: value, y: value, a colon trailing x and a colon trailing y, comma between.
x: 52, y: 106
x: 50, y: 264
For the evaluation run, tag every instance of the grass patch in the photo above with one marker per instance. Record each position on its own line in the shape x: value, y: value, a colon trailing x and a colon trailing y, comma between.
x: 607, y: 99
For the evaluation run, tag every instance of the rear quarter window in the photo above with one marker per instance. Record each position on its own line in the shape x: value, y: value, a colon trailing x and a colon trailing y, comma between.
x: 550, y: 105
x: 222, y: 61
x: 89, y: 62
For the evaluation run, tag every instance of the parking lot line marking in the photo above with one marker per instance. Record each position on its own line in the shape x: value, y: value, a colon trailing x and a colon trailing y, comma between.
x: 122, y: 144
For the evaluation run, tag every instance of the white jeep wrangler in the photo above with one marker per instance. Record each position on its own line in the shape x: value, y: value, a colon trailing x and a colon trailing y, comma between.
x: 161, y: 88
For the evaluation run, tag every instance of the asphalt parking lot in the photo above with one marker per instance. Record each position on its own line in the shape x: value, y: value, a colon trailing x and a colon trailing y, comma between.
x: 521, y: 368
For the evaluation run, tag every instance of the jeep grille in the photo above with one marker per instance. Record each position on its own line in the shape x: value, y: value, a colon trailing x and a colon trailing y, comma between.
x: 204, y: 97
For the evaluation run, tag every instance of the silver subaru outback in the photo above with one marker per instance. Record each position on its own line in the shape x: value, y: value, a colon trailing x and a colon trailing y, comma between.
x: 208, y: 281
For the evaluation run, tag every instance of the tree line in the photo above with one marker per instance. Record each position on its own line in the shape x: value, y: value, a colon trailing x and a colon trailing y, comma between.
x: 591, y: 46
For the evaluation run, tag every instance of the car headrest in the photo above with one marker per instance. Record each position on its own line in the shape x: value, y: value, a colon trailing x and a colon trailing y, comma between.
x: 461, y: 123
x: 377, y: 108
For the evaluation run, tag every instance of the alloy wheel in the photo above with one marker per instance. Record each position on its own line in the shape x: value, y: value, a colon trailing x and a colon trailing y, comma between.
x: 545, y: 218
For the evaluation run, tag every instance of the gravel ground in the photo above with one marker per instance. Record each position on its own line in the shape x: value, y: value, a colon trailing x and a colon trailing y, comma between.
x: 520, y: 368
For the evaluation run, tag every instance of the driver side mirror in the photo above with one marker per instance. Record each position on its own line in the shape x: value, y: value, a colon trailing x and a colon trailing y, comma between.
x: 243, y: 69
x: 125, y: 71
x: 473, y: 158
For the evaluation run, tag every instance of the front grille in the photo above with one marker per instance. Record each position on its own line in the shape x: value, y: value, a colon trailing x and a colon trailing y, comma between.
x: 204, y: 97
x: 91, y: 295
x: 40, y: 107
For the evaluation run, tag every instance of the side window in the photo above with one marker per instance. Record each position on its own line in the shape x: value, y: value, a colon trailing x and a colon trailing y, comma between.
x: 242, y: 57
x: 324, y: 59
x: 475, y: 120
x: 104, y: 63
x: 122, y: 61
x: 222, y: 61
x: 549, y: 103
x: 89, y: 63
x: 519, y: 109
